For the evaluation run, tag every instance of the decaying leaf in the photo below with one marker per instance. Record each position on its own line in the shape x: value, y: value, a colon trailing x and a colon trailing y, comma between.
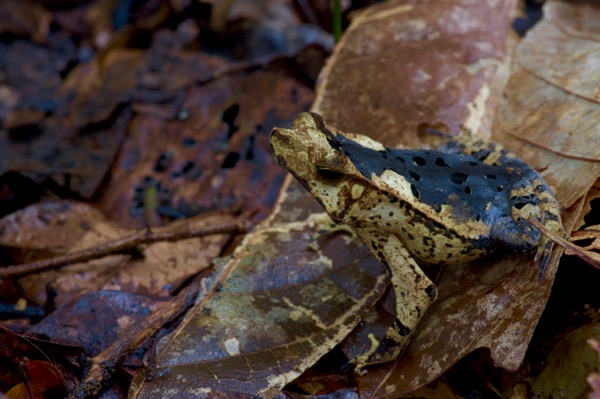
x: 49, y: 148
x: 41, y: 378
x: 29, y: 19
x: 22, y: 355
x: 594, y: 378
x: 215, y: 154
x: 95, y: 320
x: 287, y: 296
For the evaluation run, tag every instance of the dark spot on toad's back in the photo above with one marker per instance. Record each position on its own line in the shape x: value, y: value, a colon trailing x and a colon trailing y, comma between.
x: 458, y: 178
x: 441, y: 162
x: 414, y: 175
x: 420, y: 161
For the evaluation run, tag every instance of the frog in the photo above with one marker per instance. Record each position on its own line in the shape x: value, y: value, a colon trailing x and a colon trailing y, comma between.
x: 417, y: 207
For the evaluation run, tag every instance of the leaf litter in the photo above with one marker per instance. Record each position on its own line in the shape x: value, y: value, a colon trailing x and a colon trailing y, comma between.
x: 269, y: 312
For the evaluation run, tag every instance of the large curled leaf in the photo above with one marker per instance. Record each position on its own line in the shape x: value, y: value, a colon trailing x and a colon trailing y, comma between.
x: 288, y: 295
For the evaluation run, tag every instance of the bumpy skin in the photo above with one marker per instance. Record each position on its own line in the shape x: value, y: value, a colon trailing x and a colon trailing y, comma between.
x: 413, y: 206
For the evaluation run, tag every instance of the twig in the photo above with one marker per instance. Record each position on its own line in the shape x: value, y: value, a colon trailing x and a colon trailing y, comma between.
x: 121, y: 245
x: 589, y: 257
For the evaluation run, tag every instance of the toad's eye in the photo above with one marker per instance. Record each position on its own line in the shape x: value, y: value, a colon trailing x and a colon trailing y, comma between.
x: 328, y: 174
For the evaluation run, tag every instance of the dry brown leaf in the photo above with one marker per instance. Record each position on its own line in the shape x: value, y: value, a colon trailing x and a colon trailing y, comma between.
x: 573, y: 30
x: 586, y: 207
x: 551, y: 129
x: 61, y: 227
x: 405, y: 65
x: 552, y: 108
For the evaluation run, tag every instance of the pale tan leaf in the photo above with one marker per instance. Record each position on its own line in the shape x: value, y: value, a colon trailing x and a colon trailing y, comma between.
x: 554, y: 53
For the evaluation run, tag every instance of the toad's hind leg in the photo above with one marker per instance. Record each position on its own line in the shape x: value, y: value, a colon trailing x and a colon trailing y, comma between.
x: 529, y: 196
x: 414, y: 294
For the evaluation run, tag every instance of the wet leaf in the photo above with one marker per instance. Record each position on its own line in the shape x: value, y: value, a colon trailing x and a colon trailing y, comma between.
x: 94, y: 321
x: 43, y: 376
x: 21, y: 355
x: 33, y: 78
x: 92, y: 91
x: 72, y: 164
x: 262, y: 31
x: 54, y: 150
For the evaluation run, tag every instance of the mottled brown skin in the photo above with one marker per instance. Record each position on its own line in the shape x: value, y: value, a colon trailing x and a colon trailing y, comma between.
x: 411, y: 206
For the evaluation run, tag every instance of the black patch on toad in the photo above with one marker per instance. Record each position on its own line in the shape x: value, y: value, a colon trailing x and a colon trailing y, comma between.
x: 432, y: 188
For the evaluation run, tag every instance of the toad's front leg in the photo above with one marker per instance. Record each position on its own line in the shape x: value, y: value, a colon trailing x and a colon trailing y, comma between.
x: 414, y: 294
